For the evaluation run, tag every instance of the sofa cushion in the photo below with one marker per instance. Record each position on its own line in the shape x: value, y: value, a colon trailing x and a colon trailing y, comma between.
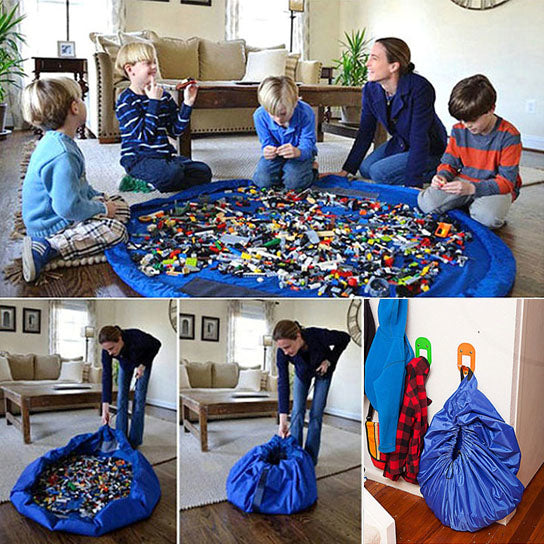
x: 46, y: 367
x: 5, y: 371
x: 225, y: 375
x: 200, y: 374
x: 72, y: 371
x: 263, y: 64
x: 178, y: 59
x: 220, y: 61
x: 250, y: 379
x: 21, y: 366
x: 184, y: 382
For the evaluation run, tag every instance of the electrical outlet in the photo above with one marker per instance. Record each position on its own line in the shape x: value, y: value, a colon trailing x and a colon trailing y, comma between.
x: 530, y: 106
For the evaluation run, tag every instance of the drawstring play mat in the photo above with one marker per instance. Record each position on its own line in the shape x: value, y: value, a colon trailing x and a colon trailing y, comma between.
x: 274, y: 478
x: 91, y: 486
x: 469, y: 463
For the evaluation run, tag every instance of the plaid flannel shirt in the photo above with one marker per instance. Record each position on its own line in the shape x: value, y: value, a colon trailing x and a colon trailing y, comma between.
x: 412, y: 426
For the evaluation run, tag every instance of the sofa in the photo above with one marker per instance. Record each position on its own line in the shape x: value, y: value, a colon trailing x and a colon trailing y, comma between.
x: 34, y: 369
x: 177, y: 59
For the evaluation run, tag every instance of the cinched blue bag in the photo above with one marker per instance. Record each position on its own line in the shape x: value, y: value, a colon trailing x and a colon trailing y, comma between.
x: 106, y: 442
x: 275, y: 478
x: 469, y: 462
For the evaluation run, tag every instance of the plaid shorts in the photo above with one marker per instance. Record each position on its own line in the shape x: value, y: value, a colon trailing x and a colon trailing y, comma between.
x: 93, y: 235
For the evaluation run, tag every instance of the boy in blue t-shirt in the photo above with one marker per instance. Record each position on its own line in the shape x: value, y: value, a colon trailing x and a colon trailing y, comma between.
x: 286, y: 129
x: 63, y: 215
x: 147, y: 116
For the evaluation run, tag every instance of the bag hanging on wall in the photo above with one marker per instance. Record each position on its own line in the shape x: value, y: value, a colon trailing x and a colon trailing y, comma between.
x: 274, y: 478
x: 37, y: 492
x: 470, y: 460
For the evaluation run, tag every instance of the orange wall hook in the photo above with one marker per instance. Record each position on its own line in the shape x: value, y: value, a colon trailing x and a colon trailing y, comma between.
x: 468, y: 350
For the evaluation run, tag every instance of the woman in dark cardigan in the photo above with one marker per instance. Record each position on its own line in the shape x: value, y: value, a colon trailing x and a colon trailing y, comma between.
x: 404, y: 103
x: 309, y: 349
x: 135, y: 351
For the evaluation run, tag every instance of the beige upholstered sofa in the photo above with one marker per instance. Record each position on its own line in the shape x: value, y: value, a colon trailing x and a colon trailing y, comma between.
x: 178, y: 59
x: 33, y: 369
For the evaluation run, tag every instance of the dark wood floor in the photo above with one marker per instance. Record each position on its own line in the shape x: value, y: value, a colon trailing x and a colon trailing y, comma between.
x: 523, y: 234
x: 416, y: 524
x: 335, y: 518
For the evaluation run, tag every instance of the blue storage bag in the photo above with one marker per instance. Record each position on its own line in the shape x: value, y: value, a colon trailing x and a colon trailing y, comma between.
x: 106, y: 442
x: 469, y: 462
x: 275, y: 478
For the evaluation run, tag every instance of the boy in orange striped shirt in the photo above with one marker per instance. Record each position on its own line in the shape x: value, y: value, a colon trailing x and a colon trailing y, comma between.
x: 480, y: 167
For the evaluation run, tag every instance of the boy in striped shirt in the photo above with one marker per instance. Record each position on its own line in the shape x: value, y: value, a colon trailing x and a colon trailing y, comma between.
x: 147, y: 116
x: 480, y: 167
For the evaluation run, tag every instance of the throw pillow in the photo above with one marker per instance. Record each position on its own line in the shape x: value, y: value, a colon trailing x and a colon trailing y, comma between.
x: 184, y: 382
x: 252, y: 48
x: 263, y: 64
x: 5, y: 371
x: 224, y: 375
x: 21, y: 366
x: 47, y: 367
x: 249, y: 380
x: 71, y: 372
x: 178, y: 59
x: 291, y: 65
x: 200, y: 374
x: 221, y: 61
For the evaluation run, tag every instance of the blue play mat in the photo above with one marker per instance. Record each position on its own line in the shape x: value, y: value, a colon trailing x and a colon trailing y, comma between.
x: 489, y: 270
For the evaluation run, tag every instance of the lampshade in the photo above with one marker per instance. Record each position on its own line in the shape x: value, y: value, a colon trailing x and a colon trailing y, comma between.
x: 296, y: 5
x: 267, y: 340
x: 87, y: 332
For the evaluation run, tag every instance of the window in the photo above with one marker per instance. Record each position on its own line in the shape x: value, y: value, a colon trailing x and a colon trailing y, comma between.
x: 263, y: 23
x: 250, y: 326
x: 70, y: 318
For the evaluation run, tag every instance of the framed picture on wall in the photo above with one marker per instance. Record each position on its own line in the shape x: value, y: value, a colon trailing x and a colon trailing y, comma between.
x: 186, y: 326
x: 210, y: 329
x: 197, y: 2
x: 32, y: 320
x: 66, y: 49
x: 7, y: 319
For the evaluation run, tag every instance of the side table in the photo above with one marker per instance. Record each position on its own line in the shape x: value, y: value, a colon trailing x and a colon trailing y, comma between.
x: 70, y: 65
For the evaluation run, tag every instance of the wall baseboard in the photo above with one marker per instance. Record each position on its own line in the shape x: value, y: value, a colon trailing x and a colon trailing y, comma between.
x: 161, y: 404
x: 343, y: 413
x: 532, y: 142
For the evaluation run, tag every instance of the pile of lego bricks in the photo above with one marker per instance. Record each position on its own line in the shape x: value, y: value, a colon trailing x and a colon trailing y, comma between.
x: 82, y: 485
x: 335, y: 245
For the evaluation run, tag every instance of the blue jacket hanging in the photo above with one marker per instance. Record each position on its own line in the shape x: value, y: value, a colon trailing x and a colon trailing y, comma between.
x: 469, y: 463
x: 385, y: 368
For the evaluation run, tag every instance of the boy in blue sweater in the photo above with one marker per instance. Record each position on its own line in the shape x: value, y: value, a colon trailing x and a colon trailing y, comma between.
x: 147, y: 116
x: 63, y: 215
x: 286, y: 129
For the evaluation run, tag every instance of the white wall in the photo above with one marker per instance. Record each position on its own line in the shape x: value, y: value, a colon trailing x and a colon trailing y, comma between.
x: 449, y: 43
x: 345, y: 392
x: 198, y: 350
x: 19, y: 342
x: 151, y: 316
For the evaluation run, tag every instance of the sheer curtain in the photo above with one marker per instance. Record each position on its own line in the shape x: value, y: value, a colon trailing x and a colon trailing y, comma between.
x: 233, y: 312
x: 232, y: 17
x: 270, y: 315
x: 301, y: 32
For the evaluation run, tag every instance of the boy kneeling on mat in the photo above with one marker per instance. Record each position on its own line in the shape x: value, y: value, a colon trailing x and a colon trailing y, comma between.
x: 480, y: 167
x: 63, y: 215
x: 147, y: 116
x: 286, y: 129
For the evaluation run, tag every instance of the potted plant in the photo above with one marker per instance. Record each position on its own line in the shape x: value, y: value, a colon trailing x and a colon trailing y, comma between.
x: 352, y: 69
x: 10, y: 57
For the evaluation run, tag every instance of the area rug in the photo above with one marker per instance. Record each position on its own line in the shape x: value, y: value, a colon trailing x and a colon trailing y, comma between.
x: 50, y: 430
x: 203, y: 475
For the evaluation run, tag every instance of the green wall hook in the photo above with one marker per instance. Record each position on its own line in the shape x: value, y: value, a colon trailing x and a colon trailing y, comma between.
x: 424, y: 343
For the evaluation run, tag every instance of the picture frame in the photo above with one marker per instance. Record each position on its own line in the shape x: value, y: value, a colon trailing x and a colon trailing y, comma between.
x: 209, y: 331
x: 8, y: 318
x: 32, y: 320
x: 197, y: 2
x: 186, y: 326
x: 66, y: 49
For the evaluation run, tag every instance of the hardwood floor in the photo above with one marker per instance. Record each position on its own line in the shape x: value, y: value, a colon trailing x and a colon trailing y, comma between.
x: 523, y: 234
x: 335, y: 518
x: 415, y: 523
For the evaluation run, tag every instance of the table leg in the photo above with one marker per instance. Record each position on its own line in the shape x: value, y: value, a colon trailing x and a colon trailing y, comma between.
x: 320, y: 117
x: 184, y: 142
x: 25, y: 419
x: 185, y: 416
x: 7, y: 410
x: 203, y: 424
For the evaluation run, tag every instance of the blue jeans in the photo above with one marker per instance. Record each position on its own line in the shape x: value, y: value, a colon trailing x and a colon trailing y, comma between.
x: 293, y: 173
x: 391, y: 170
x: 138, y: 405
x: 170, y: 174
x: 300, y: 394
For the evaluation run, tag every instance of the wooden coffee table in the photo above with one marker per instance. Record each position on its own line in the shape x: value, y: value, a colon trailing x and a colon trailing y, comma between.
x: 219, y: 95
x: 214, y: 404
x: 28, y: 397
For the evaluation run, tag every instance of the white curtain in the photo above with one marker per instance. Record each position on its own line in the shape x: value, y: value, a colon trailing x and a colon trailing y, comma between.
x: 233, y: 312
x: 54, y: 307
x: 301, y: 32
x: 232, y: 15
x: 269, y: 313
x: 118, y: 13
x: 93, y: 355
